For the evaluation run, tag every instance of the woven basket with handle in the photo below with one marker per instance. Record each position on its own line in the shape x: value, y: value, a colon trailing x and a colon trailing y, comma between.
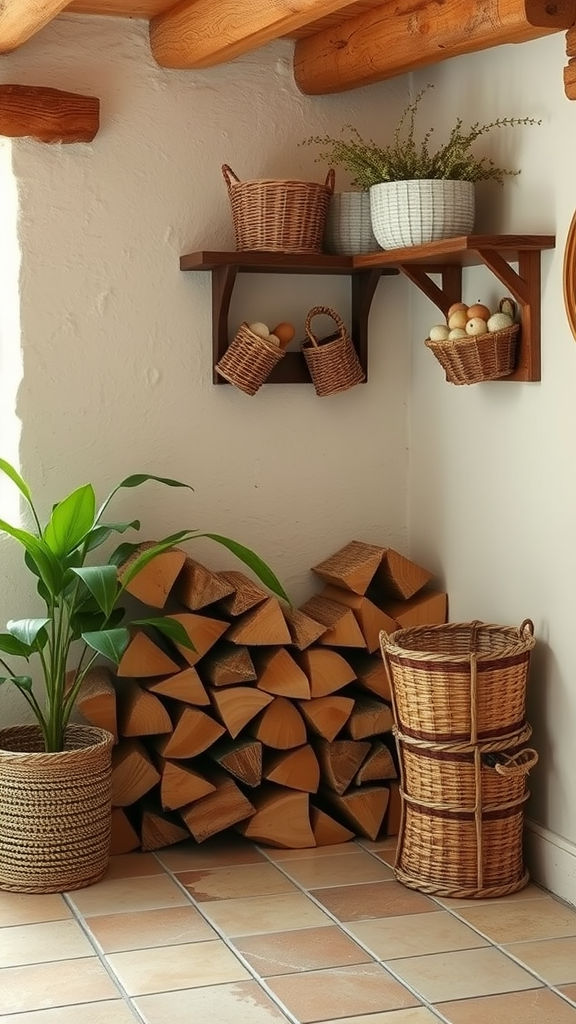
x: 278, y: 215
x: 332, y: 361
x: 249, y: 360
x: 473, y: 360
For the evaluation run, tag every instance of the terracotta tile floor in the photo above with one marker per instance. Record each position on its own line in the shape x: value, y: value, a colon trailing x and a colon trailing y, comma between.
x: 235, y: 934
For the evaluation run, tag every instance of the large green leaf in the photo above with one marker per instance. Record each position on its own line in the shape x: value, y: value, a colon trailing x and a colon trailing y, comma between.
x: 44, y: 559
x: 151, y: 553
x: 15, y: 477
x: 253, y: 561
x: 170, y: 628
x: 99, y: 534
x: 135, y: 481
x: 102, y: 582
x: 95, y: 621
x: 11, y: 645
x: 29, y: 632
x: 22, y: 682
x: 111, y: 643
x: 71, y: 520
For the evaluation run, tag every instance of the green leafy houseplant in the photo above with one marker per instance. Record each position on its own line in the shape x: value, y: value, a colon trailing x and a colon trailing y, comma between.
x: 82, y: 600
x: 371, y: 163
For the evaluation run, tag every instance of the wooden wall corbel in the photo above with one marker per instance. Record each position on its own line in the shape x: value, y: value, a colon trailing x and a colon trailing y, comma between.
x: 47, y: 115
x: 570, y: 69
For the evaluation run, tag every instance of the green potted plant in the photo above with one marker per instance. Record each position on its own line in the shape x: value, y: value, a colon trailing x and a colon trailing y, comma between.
x: 55, y: 783
x: 417, y: 194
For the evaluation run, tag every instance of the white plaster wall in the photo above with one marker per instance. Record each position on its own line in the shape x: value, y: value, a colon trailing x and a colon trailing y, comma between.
x: 492, y: 484
x: 116, y: 341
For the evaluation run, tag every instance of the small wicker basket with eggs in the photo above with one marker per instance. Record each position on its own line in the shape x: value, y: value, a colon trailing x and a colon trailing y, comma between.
x: 253, y: 354
x: 474, y: 344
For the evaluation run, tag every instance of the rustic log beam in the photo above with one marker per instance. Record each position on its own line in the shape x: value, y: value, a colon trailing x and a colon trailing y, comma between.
x: 20, y: 19
x: 200, y: 33
x: 402, y: 36
x: 47, y: 115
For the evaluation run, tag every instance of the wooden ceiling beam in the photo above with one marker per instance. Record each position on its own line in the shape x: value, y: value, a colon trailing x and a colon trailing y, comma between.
x: 47, y: 115
x: 398, y: 37
x: 201, y: 33
x: 20, y: 19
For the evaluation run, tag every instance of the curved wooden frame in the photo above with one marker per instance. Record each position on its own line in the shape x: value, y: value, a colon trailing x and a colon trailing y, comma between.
x: 569, y: 275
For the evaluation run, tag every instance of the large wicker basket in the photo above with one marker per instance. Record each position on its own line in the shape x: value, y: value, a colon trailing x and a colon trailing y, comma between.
x: 249, y: 360
x: 332, y: 361
x: 278, y: 215
x: 473, y: 360
x: 55, y: 809
x: 460, y: 681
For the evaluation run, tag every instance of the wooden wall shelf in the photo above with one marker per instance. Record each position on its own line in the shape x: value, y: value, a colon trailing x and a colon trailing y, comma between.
x: 445, y: 258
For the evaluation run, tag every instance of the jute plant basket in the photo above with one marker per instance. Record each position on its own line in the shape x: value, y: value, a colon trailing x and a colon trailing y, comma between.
x: 249, y: 360
x: 55, y: 810
x: 473, y: 360
x: 332, y: 361
x: 278, y: 215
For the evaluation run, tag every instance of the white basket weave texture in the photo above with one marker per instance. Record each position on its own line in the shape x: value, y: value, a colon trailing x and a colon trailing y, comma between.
x: 349, y: 225
x: 406, y: 213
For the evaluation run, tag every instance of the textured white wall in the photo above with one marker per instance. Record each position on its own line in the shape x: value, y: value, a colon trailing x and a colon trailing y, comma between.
x: 492, y: 484
x: 116, y: 341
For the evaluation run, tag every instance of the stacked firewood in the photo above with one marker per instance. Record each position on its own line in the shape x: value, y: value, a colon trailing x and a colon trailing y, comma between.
x: 278, y: 723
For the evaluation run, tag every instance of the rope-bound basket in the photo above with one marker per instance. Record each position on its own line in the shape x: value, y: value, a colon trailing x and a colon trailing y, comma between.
x: 332, y: 361
x: 272, y: 215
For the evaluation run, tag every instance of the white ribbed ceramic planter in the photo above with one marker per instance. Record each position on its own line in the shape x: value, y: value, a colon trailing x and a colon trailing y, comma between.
x: 412, y: 212
x: 348, y: 229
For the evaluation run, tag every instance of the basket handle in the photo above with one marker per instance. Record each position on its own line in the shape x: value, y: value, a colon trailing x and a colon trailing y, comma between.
x: 229, y: 177
x: 527, y: 626
x: 327, y: 311
x: 330, y: 180
x: 519, y: 764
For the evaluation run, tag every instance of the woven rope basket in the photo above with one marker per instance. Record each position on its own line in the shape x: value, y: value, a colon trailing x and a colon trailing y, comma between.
x: 249, y: 360
x: 473, y: 360
x: 459, y: 681
x: 55, y: 810
x: 278, y: 215
x: 333, y: 362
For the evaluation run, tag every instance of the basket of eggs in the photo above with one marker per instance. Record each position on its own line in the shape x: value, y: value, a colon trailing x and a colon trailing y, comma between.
x: 253, y: 353
x: 474, y: 344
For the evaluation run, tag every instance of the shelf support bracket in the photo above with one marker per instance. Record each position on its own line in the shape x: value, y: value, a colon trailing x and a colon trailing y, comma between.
x: 524, y: 286
x: 363, y: 290
x: 444, y: 297
x: 223, y: 280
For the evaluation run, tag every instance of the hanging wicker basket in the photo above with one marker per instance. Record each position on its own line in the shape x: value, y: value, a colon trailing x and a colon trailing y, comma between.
x: 55, y: 809
x: 249, y: 360
x: 278, y: 215
x: 333, y: 363
x: 473, y: 360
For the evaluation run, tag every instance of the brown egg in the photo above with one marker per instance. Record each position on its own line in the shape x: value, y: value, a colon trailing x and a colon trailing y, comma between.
x: 284, y: 332
x: 478, y: 311
x: 454, y: 308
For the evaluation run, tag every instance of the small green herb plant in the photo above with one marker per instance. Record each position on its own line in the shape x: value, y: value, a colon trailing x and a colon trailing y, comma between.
x: 82, y: 600
x: 405, y: 160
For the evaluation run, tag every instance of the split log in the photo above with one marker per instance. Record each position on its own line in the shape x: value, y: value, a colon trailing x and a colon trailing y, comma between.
x: 297, y: 769
x: 143, y: 659
x: 426, y: 608
x: 398, y: 577
x: 123, y: 838
x: 371, y: 674
x: 352, y: 567
x: 153, y: 583
x: 140, y: 713
x: 180, y: 785
x: 371, y: 618
x: 197, y: 586
x: 327, y: 671
x: 394, y: 812
x: 241, y: 757
x: 369, y: 718
x: 340, y: 761
x: 263, y: 625
x: 202, y: 631
x: 228, y: 664
x: 246, y: 594
x: 281, y: 819
x: 185, y: 687
x: 279, y: 674
x: 133, y: 773
x: 97, y: 699
x: 46, y: 115
x: 159, y: 829
x: 214, y: 813
x: 194, y: 732
x: 304, y: 630
x: 326, y: 830
x: 362, y: 808
x: 238, y: 705
x: 326, y: 716
x: 342, y: 630
x: 570, y: 79
x: 279, y: 726
x: 378, y: 766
